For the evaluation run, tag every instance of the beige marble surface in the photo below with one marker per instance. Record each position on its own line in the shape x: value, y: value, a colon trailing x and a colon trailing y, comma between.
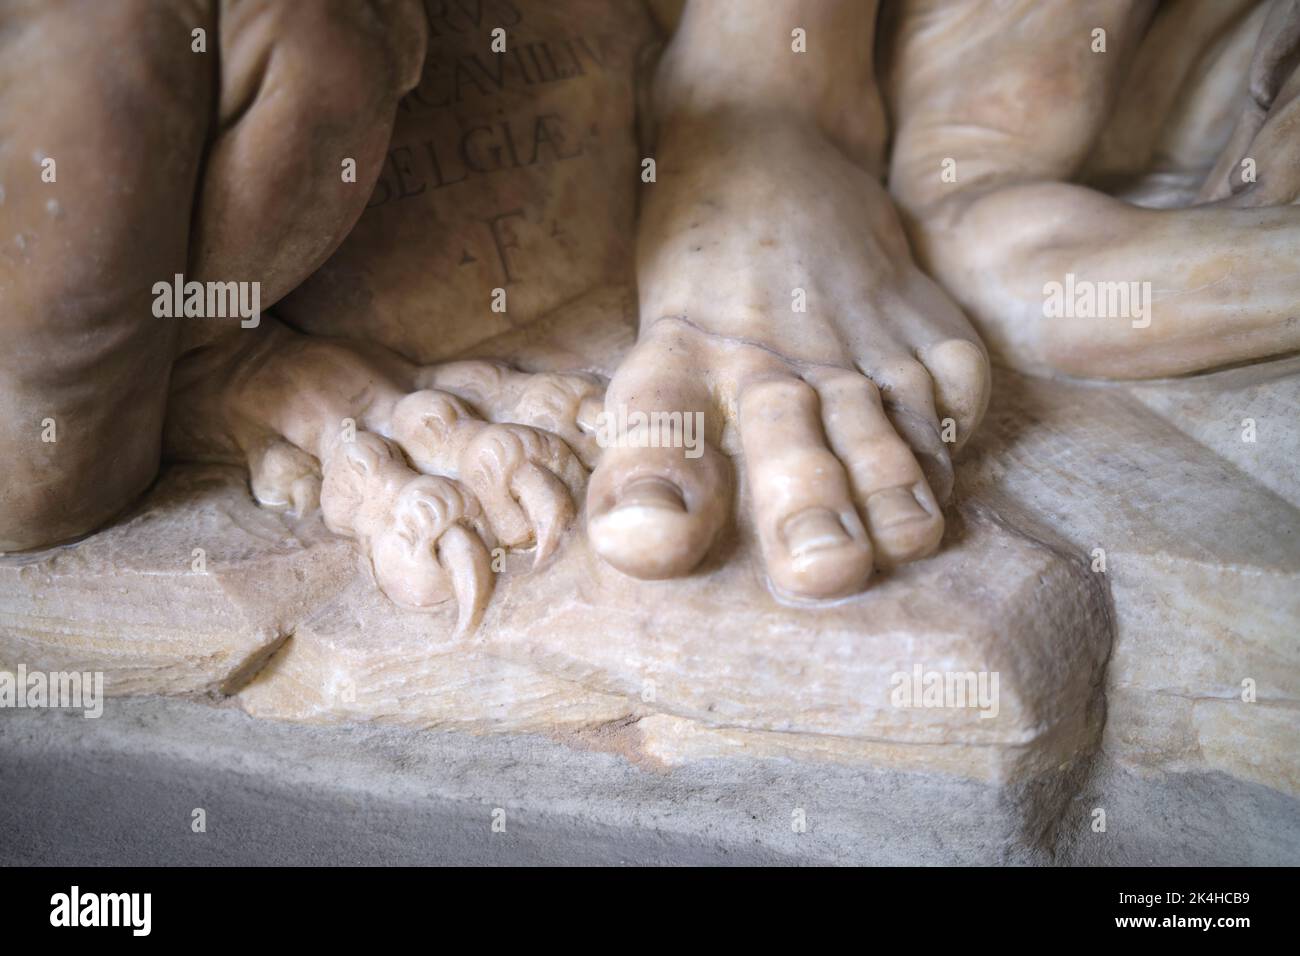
x: 1202, y: 547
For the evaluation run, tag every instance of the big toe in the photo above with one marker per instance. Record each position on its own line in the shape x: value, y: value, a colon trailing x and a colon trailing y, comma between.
x: 660, y: 492
x: 652, y: 513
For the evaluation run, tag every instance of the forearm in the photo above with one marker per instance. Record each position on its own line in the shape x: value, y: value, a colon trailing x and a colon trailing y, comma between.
x: 1207, y: 286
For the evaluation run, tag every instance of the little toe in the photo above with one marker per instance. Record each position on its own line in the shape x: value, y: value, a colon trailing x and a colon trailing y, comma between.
x: 962, y: 380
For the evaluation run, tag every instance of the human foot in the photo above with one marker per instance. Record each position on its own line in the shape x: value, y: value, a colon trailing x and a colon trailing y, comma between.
x: 778, y: 295
x: 427, y: 479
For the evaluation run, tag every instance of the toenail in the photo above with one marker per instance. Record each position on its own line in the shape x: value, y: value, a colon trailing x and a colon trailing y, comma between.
x: 895, y: 506
x: 815, y: 529
x: 652, y: 493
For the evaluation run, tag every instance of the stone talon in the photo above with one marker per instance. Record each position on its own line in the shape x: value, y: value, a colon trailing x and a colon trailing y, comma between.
x: 548, y: 506
x: 305, y: 495
x: 468, y: 564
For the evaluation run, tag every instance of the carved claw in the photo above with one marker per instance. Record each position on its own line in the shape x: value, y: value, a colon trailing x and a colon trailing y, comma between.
x: 468, y: 565
x: 548, y: 505
x: 304, y: 495
x: 431, y: 549
x: 520, y: 475
x: 282, y: 475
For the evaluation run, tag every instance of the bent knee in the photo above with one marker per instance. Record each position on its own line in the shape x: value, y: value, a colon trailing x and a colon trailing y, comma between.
x: 61, y: 489
x: 74, y: 453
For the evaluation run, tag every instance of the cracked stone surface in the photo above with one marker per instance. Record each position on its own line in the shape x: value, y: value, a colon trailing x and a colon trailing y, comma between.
x: 1201, y: 535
